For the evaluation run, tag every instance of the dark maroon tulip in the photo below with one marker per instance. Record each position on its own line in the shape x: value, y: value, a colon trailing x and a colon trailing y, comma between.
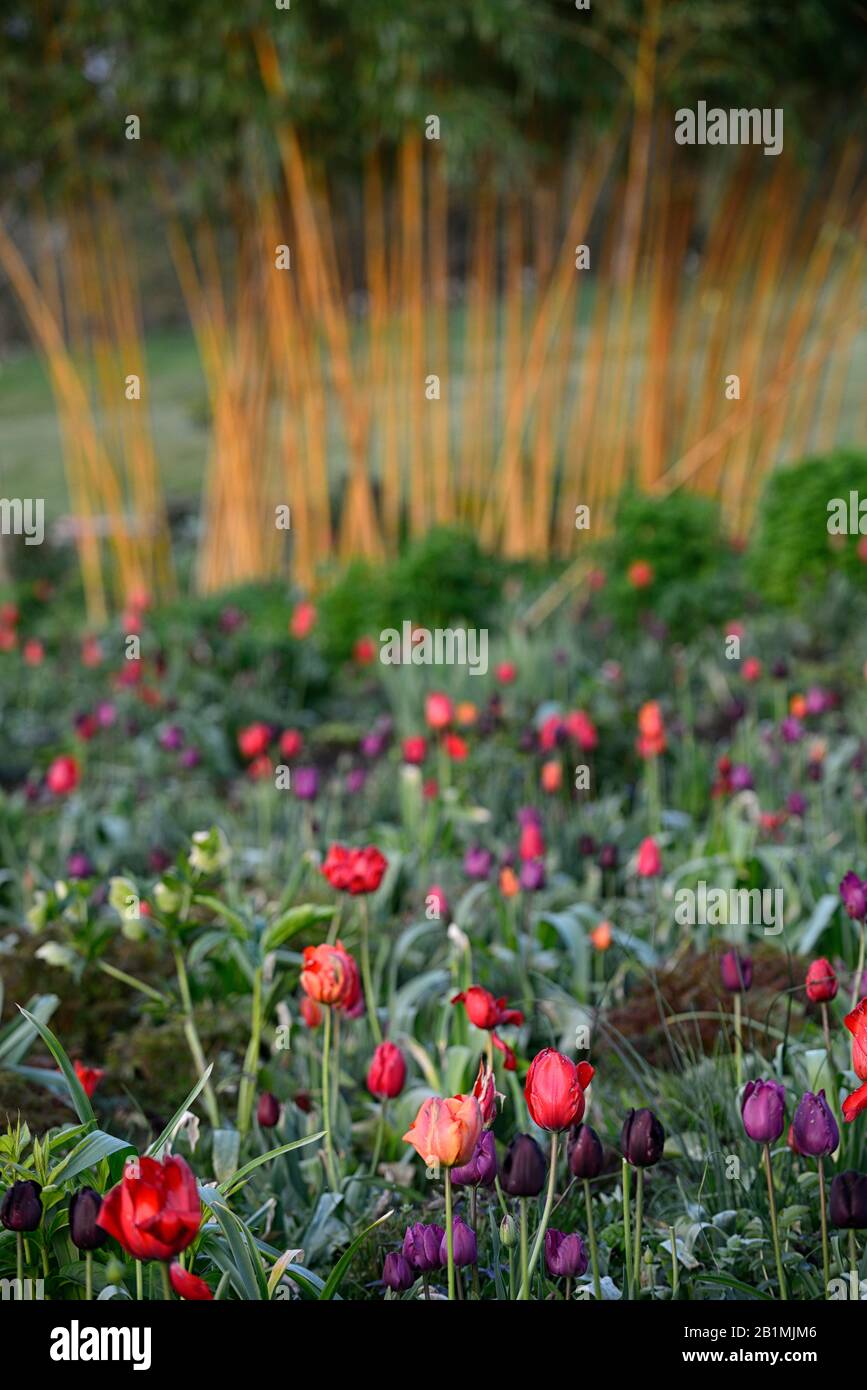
x: 586, y: 846
x: 736, y: 972
x: 79, y: 865
x: 565, y: 1255
x: 849, y: 1201
x: 463, y: 1244
x: 814, y: 1127
x: 642, y: 1139
x: 523, y: 1170
x: 397, y: 1272
x: 586, y: 1154
x: 268, y: 1110
x: 763, y: 1111
x: 21, y: 1209
x: 83, y: 1210
x: 854, y: 895
x: 608, y: 857
x: 482, y: 1167
x: 421, y: 1246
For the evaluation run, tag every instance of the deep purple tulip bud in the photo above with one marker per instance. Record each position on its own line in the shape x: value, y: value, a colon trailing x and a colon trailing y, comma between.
x: 741, y: 778
x: 586, y: 846
x: 565, y: 1256
x: 849, y: 1201
x: 532, y: 876
x: 482, y: 1167
x: 397, y: 1272
x: 305, y: 783
x: 268, y: 1110
x: 477, y: 862
x: 763, y: 1111
x: 814, y: 1126
x: 791, y: 729
x: 421, y: 1247
x: 736, y: 972
x: 21, y: 1209
x: 608, y: 857
x: 84, y: 1208
x: 642, y: 1139
x: 463, y: 1243
x: 854, y: 895
x: 796, y: 804
x: 172, y: 738
x: 586, y: 1154
x: 523, y: 1170
x: 190, y: 757
x: 79, y: 865
x: 528, y: 815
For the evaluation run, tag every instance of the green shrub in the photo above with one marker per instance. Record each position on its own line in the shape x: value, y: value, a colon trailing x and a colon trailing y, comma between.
x: 792, y: 555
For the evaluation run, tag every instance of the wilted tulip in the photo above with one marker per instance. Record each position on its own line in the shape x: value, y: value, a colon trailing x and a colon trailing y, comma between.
x: 397, y: 1272
x: 482, y: 1167
x: 523, y: 1169
x: 849, y: 1201
x: 763, y: 1111
x: 554, y: 1089
x: 565, y: 1255
x: 84, y: 1207
x: 815, y: 1129
x: 585, y: 1152
x: 21, y: 1208
x: 642, y: 1139
x: 736, y: 972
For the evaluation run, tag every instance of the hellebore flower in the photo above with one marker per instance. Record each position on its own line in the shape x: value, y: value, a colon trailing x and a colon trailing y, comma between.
x: 523, y: 1169
x: 554, y: 1089
x: 154, y: 1211
x: 482, y: 1167
x: 421, y: 1247
x: 853, y: 891
x: 463, y: 1242
x: 736, y: 971
x: 397, y: 1272
x: 386, y: 1074
x: 565, y: 1255
x: 446, y: 1131
x: 856, y: 1022
x: 649, y: 862
x: 329, y: 974
x: 814, y: 1127
x: 642, y: 1139
x: 763, y: 1111
x: 822, y: 982
x: 268, y: 1110
x: 84, y: 1208
x: 354, y: 871
x: 585, y: 1153
x: 188, y: 1286
x: 848, y: 1203
x: 21, y: 1208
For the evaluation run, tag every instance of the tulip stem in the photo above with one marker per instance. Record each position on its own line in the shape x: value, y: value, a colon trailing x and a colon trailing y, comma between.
x: 827, y: 1032
x: 739, y: 1057
x: 474, y: 1192
x: 826, y: 1258
x: 167, y: 1283
x: 591, y: 1236
x: 193, y: 1040
x: 854, y: 1282
x: 639, y: 1212
x: 627, y: 1231
x: 525, y: 1245
x: 139, y: 1281
x: 380, y: 1131
x: 19, y: 1254
x: 674, y: 1278
x: 543, y: 1224
x: 774, y: 1229
x: 88, y: 1275
x: 326, y: 1108
x: 856, y: 988
x: 450, y: 1236
x: 247, y: 1088
x: 366, y: 975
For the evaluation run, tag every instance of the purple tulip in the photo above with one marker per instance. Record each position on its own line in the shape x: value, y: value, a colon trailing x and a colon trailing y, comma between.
x: 532, y: 875
x: 817, y: 700
x: 815, y: 1129
x: 172, y: 738
x: 79, y: 865
x: 763, y: 1111
x: 608, y: 857
x: 463, y: 1242
x: 477, y: 862
x: 528, y: 815
x: 796, y: 804
x: 373, y: 745
x: 190, y: 757
x: 792, y: 729
x: 421, y: 1247
x: 106, y: 714
x: 736, y: 972
x: 565, y: 1255
x: 741, y: 778
x: 305, y: 783
x: 355, y: 780
x: 854, y: 894
x: 397, y: 1272
x: 482, y: 1167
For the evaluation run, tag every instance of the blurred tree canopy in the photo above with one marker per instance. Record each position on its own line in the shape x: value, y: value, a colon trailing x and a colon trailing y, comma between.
x: 512, y: 81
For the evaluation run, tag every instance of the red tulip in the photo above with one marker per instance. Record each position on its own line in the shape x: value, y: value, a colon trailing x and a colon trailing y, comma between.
x: 329, y: 974
x: 438, y: 710
x: 303, y: 620
x: 415, y: 749
x: 554, y: 1089
x: 485, y: 1092
x: 154, y: 1211
x: 63, y: 776
x: 856, y: 1022
x: 89, y: 1077
x: 821, y: 981
x: 354, y: 871
x: 649, y: 864
x: 291, y: 743
x: 253, y: 741
x: 311, y: 1012
x: 651, y: 731
x: 187, y: 1285
x: 386, y: 1074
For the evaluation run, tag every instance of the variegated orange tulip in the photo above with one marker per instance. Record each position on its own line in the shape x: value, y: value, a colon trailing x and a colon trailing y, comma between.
x: 446, y: 1131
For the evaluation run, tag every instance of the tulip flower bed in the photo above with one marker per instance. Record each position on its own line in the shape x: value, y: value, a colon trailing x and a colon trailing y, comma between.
x: 397, y: 983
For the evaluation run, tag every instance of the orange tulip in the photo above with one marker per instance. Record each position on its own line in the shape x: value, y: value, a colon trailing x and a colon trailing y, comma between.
x: 446, y: 1131
x: 601, y: 936
x: 329, y: 975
